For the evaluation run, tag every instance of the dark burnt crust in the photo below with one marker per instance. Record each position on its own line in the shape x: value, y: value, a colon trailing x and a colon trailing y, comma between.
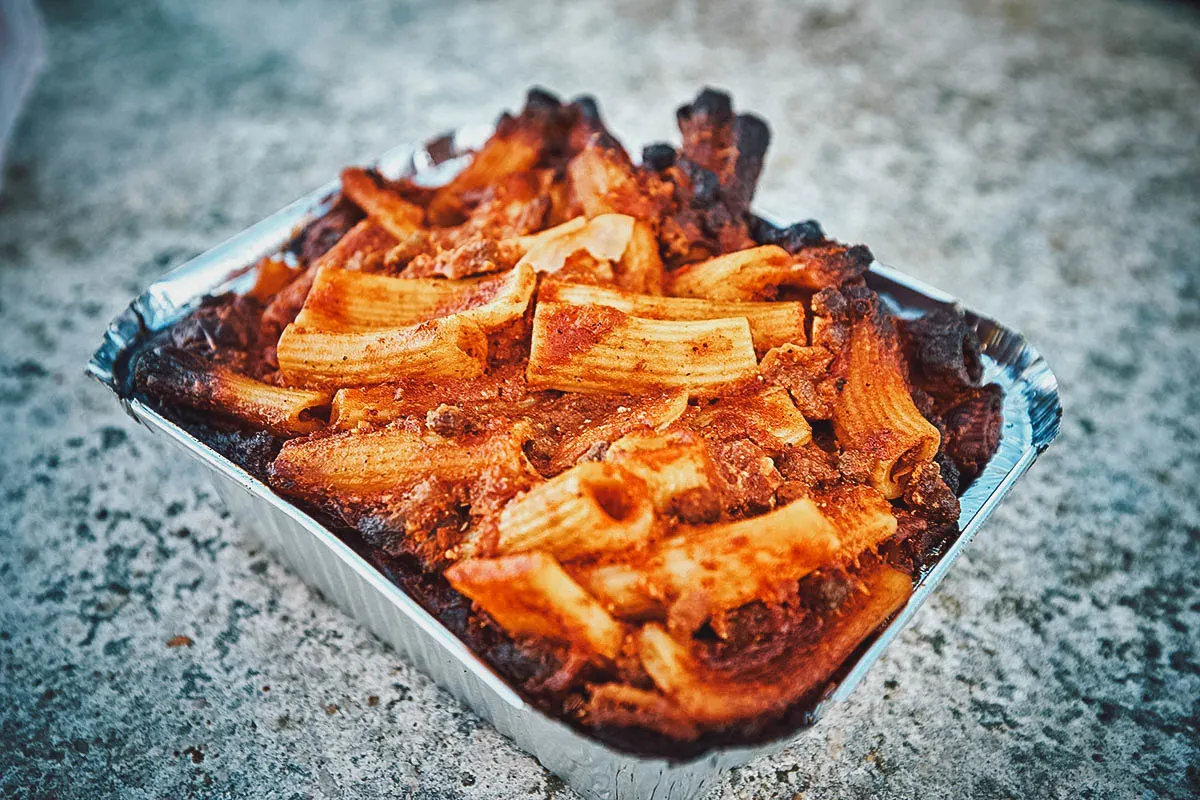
x: 316, y: 238
x: 713, y: 178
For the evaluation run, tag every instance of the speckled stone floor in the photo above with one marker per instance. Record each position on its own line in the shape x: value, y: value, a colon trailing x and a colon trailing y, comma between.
x: 1039, y: 159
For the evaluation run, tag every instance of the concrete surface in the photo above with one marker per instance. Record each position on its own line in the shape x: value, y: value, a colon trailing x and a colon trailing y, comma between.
x: 1039, y: 159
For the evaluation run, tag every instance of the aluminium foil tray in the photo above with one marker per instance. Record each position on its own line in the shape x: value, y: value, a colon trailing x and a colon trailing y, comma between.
x: 1031, y: 414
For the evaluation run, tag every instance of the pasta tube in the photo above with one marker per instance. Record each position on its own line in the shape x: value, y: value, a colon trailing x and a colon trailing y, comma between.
x: 345, y: 300
x: 771, y: 324
x: 591, y: 508
x: 874, y: 411
x: 449, y: 347
x: 721, y: 566
x: 191, y: 381
x: 392, y: 212
x: 529, y: 594
x: 600, y: 349
x: 708, y: 697
x: 358, y: 466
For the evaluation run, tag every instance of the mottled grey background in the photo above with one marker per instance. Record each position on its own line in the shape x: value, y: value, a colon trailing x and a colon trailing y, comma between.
x: 1039, y: 159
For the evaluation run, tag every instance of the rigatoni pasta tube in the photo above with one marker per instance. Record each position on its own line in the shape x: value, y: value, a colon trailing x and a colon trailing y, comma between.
x: 713, y: 699
x: 360, y: 465
x: 191, y: 381
x: 529, y: 594
x: 874, y: 411
x: 394, y: 214
x: 450, y: 347
x: 346, y: 300
x: 752, y: 274
x: 600, y: 349
x: 758, y: 273
x: 671, y: 465
x: 591, y: 508
x: 362, y: 405
x: 771, y: 324
x: 641, y: 268
x: 862, y: 516
x: 722, y: 566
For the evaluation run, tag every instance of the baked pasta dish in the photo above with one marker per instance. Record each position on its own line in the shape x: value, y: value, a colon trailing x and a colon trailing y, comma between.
x: 662, y: 463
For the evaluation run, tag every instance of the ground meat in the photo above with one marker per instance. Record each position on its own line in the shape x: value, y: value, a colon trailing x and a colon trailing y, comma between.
x: 749, y: 476
x: 399, y: 257
x: 855, y: 465
x: 809, y: 466
x: 950, y: 473
x: 473, y: 258
x: 942, y: 351
x: 449, y: 421
x: 222, y: 323
x: 917, y: 543
x: 824, y: 590
x: 973, y: 426
x: 756, y: 635
x: 803, y: 372
x: 315, y: 239
x: 696, y: 506
x: 927, y: 494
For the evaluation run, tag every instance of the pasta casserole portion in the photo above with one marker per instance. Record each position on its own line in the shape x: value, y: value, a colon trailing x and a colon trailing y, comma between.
x: 664, y: 464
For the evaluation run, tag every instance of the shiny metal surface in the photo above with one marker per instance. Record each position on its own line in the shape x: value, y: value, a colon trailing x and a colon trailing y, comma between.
x: 1031, y: 414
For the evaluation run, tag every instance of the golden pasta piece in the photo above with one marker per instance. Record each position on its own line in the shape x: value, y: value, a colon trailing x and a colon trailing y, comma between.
x: 591, y: 508
x: 863, y: 518
x: 345, y: 300
x: 719, y: 566
x: 752, y: 274
x: 604, y: 238
x: 355, y: 406
x: 450, y: 347
x: 771, y: 324
x: 641, y: 268
x: 600, y: 349
x: 712, y: 698
x: 392, y: 212
x: 531, y: 241
x: 767, y: 416
x: 360, y: 466
x: 874, y: 412
x: 758, y: 273
x: 529, y: 594
x: 193, y: 382
x: 512, y: 148
x: 671, y: 465
x: 348, y: 300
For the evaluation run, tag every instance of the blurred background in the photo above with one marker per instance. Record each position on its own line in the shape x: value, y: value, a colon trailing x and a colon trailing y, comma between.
x: 1039, y: 160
